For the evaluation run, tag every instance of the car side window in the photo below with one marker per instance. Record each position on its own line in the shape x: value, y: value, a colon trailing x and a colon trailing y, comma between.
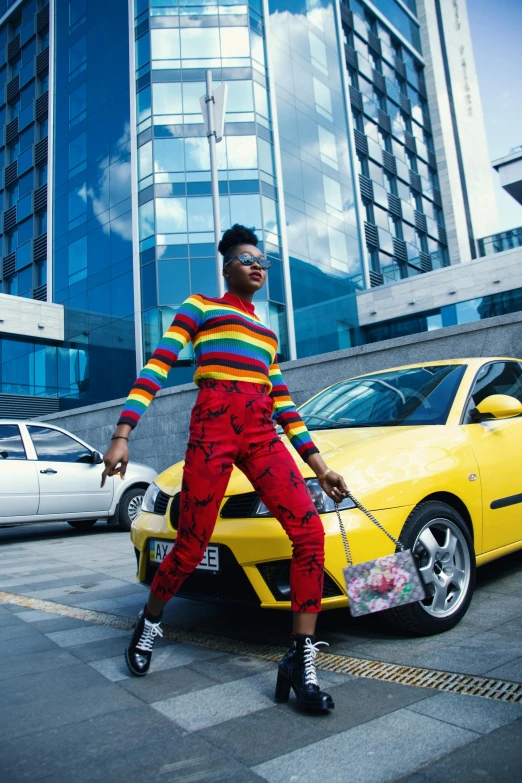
x: 11, y: 443
x: 55, y: 446
x: 497, y: 378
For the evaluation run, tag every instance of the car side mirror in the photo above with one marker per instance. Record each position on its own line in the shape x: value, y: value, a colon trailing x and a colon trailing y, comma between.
x: 496, y: 406
x: 97, y: 458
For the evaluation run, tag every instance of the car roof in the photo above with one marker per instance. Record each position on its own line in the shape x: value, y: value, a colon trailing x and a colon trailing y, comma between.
x: 473, y: 361
x: 31, y: 421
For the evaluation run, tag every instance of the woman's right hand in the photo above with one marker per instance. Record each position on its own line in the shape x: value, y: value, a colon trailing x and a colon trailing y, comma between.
x: 116, y: 459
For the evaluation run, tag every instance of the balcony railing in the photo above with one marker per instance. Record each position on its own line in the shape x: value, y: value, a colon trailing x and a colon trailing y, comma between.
x: 498, y: 243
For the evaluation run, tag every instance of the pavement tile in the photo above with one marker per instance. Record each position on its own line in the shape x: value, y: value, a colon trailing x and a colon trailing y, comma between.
x: 495, y: 757
x: 35, y: 616
x: 28, y: 687
x: 472, y: 656
x: 116, y: 747
x: 225, y: 701
x: 475, y: 713
x: 59, y: 623
x: 361, y: 700
x: 220, y: 702
x: 14, y: 631
x: 31, y: 662
x: 98, y: 651
x: 9, y: 619
x: 62, y: 709
x: 370, y: 753
x: 509, y: 671
x: 57, y: 575
x: 31, y: 642
x: 165, y: 657
x: 89, y: 633
x: 224, y: 667
x: 158, y: 685
x: 134, y: 599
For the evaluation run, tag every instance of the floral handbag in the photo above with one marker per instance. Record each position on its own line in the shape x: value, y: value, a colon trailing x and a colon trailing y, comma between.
x: 383, y: 583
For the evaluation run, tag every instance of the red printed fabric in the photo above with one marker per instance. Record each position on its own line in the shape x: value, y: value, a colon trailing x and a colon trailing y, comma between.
x: 231, y: 423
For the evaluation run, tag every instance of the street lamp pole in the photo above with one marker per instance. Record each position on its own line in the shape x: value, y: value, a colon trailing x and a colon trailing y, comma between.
x: 212, y: 105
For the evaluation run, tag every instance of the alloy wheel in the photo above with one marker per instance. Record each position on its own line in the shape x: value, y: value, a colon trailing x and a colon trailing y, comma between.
x: 134, y: 506
x: 444, y: 562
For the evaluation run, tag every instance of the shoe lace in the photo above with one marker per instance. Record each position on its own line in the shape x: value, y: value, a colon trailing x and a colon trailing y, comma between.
x: 148, y: 636
x: 310, y: 651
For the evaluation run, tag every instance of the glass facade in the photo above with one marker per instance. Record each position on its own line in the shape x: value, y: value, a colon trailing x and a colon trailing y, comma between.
x: 321, y: 222
x: 396, y: 162
x: 501, y: 303
x: 175, y: 43
x: 498, y: 243
x: 24, y: 101
x: 92, y: 225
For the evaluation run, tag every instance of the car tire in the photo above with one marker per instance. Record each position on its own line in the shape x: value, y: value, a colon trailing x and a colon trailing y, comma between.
x: 82, y: 524
x: 130, y: 504
x: 442, y: 545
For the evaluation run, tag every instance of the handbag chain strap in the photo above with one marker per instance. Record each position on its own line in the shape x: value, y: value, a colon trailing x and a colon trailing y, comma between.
x: 399, y: 545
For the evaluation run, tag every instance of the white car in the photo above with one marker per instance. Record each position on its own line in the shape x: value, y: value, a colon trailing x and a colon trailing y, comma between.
x: 49, y: 475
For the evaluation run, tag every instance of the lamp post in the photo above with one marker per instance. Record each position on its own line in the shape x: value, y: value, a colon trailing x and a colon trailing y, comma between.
x: 213, y: 105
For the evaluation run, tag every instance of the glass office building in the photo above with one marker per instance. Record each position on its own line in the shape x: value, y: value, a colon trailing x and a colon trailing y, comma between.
x: 106, y: 197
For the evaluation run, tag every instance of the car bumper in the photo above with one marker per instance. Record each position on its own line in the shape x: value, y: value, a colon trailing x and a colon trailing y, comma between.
x: 255, y: 556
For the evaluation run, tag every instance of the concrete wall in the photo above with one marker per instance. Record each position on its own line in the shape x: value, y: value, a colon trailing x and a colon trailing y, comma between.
x: 161, y: 436
x: 30, y: 318
x: 490, y: 275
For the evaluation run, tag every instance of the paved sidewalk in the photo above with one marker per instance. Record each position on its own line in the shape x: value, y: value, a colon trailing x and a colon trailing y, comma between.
x: 69, y: 711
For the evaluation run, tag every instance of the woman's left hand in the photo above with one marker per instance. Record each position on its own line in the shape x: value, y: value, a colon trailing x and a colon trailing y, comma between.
x: 335, y: 486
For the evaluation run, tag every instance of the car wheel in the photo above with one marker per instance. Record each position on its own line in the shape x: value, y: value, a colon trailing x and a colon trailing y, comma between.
x: 82, y: 524
x: 130, y: 505
x: 441, y: 543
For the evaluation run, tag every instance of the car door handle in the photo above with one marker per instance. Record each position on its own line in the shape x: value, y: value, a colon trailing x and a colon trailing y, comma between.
x: 49, y: 470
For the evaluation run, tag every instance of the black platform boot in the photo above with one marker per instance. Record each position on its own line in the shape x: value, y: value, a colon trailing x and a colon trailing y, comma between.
x: 297, y: 671
x: 139, y: 650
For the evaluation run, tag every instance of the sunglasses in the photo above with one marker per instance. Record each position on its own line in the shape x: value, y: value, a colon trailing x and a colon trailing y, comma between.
x: 248, y: 260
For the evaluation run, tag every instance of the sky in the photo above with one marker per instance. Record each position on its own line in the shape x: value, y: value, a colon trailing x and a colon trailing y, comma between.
x: 496, y: 31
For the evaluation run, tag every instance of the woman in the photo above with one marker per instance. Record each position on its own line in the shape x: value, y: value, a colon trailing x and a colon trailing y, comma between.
x: 240, y: 389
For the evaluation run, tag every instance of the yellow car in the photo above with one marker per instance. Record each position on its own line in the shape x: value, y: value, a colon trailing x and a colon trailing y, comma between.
x: 433, y: 450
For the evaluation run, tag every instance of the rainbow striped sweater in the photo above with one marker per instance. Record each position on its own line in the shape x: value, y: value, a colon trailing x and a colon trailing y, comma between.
x: 229, y: 344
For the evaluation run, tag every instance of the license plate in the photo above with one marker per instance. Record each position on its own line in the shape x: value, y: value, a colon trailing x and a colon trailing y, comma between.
x: 158, y: 550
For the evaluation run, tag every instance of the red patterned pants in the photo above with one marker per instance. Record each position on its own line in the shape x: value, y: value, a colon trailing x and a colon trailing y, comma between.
x: 231, y: 424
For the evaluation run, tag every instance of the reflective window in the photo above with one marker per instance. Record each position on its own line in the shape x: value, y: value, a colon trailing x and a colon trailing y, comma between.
x: 200, y: 42
x: 166, y: 98
x: 77, y: 105
x: 165, y: 44
x: 241, y: 152
x: 55, y: 446
x: 168, y: 155
x: 11, y: 444
x: 497, y: 378
x: 171, y: 215
x: 197, y: 155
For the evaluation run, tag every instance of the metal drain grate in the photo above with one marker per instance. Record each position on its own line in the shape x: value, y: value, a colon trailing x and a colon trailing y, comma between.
x: 449, y: 682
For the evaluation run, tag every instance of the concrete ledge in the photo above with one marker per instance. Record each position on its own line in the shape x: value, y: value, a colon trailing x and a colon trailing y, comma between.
x: 31, y: 318
x: 160, y: 438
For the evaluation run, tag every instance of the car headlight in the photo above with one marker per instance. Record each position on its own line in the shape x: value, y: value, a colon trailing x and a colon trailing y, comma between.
x: 322, y: 501
x: 149, y: 499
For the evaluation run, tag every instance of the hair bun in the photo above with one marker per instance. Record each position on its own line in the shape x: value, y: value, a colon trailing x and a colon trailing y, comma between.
x: 237, y: 235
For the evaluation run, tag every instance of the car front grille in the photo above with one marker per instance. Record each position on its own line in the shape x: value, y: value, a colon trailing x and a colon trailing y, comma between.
x: 229, y: 584
x: 277, y: 577
x: 240, y: 506
x: 161, y: 503
x: 174, y: 511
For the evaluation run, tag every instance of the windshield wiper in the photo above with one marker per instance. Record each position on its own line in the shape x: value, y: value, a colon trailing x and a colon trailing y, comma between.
x: 325, y: 418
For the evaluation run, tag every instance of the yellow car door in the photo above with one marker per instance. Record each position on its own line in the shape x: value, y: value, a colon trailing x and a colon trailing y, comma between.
x: 497, y: 444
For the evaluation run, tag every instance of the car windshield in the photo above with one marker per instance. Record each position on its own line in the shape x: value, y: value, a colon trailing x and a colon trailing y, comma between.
x: 418, y: 395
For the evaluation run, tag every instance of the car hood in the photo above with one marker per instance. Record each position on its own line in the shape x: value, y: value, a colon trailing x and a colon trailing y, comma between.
x: 382, y: 466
